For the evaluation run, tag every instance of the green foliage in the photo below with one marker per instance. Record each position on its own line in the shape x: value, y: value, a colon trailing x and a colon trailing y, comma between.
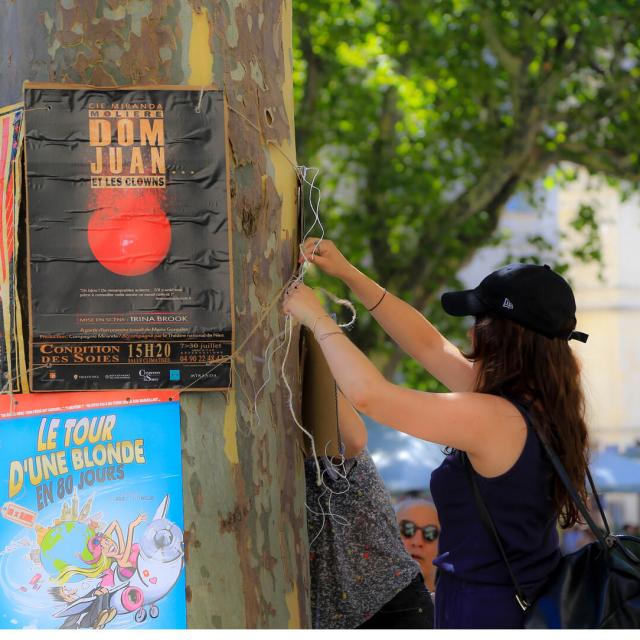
x: 426, y: 117
x: 587, y: 223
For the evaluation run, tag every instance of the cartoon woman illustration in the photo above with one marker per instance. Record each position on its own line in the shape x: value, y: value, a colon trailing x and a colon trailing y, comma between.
x: 106, y: 552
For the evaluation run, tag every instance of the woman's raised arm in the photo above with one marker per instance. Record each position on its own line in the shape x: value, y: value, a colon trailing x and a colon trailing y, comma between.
x: 487, y: 427
x: 409, y: 329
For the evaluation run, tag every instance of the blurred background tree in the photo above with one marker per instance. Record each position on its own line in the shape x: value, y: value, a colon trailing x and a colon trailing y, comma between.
x: 425, y: 117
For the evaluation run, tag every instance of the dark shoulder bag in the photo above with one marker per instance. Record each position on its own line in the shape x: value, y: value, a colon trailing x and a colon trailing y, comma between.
x: 596, y: 587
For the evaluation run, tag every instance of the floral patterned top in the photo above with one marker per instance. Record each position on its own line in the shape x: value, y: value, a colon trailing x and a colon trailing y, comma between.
x: 357, y: 560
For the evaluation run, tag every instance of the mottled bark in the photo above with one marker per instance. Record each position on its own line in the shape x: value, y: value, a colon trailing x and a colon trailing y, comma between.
x: 245, y: 525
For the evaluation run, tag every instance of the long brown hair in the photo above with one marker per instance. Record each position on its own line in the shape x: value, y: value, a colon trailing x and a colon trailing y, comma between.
x: 522, y: 365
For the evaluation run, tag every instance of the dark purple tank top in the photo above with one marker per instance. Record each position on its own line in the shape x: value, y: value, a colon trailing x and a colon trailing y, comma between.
x: 520, y: 504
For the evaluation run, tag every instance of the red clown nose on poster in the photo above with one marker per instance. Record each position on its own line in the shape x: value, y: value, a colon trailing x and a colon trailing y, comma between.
x: 129, y: 232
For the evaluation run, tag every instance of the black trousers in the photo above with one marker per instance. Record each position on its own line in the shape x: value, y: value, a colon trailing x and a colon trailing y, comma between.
x: 410, y: 609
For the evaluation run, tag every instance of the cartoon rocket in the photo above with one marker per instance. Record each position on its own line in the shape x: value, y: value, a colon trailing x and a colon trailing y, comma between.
x: 158, y: 568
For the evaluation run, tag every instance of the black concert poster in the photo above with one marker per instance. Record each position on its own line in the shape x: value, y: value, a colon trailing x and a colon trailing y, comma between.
x: 129, y: 246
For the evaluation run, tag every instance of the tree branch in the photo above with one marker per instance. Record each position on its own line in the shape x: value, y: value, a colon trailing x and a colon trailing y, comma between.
x: 488, y: 188
x: 383, y: 151
x: 428, y: 284
x: 511, y: 63
x: 607, y: 161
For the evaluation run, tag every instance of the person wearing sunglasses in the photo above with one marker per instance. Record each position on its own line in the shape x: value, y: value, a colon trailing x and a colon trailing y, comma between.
x: 519, y: 384
x: 420, y: 528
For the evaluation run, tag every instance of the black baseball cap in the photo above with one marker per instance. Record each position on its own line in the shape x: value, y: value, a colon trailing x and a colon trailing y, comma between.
x: 532, y: 295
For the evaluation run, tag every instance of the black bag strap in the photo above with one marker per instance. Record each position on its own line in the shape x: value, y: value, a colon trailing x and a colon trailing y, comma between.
x: 604, y: 538
x: 487, y: 520
x: 600, y: 535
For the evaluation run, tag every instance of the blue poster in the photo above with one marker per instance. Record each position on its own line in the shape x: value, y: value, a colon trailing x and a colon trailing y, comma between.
x: 91, y: 526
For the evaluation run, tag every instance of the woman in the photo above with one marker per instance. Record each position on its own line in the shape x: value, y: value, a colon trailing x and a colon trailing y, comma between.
x: 361, y: 576
x: 520, y: 380
x: 104, y: 553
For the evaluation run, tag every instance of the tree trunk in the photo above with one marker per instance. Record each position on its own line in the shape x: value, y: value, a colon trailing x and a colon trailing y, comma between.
x: 245, y: 524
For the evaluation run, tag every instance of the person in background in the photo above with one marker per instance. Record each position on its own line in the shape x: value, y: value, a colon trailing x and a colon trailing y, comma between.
x: 361, y: 575
x: 519, y: 385
x: 420, y: 528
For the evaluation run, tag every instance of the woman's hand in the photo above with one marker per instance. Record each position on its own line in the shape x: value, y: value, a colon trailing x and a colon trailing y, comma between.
x: 325, y: 255
x: 301, y: 302
x: 139, y: 520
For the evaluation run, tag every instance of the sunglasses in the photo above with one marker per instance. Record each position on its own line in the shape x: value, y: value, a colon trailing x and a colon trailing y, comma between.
x: 429, y: 532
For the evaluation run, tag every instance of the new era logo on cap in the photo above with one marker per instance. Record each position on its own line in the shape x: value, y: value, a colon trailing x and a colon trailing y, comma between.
x: 507, y: 304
